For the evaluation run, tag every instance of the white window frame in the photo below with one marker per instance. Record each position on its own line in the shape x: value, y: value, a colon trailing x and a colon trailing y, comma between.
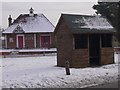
x: 5, y: 41
x: 34, y: 40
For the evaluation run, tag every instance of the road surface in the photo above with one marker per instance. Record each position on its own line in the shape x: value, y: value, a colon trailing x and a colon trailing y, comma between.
x: 110, y: 85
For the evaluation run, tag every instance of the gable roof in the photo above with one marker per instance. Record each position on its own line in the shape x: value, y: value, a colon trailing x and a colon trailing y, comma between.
x: 87, y: 24
x: 31, y: 24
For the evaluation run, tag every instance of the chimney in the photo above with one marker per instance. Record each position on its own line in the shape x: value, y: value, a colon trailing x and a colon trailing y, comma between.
x: 9, y: 20
x: 31, y: 12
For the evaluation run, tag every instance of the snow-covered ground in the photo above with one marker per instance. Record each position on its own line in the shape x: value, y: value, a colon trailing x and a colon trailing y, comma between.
x: 28, y: 50
x: 42, y: 72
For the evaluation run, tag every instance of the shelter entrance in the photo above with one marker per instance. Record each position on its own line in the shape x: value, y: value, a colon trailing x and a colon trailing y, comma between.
x: 94, y: 50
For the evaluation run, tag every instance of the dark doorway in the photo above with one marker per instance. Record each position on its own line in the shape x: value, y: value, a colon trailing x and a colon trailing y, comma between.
x: 94, y: 50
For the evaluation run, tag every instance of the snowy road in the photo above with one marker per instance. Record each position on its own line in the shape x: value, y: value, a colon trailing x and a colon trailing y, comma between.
x: 41, y: 72
x: 110, y: 85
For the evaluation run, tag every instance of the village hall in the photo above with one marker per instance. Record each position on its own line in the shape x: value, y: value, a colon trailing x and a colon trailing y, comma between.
x: 28, y: 31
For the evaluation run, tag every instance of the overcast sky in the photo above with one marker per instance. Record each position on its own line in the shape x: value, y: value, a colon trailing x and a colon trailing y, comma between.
x: 52, y: 10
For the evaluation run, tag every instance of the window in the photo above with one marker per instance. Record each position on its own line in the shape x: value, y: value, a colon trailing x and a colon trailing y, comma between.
x: 106, y: 40
x: 81, y: 41
x: 11, y: 40
x: 46, y: 40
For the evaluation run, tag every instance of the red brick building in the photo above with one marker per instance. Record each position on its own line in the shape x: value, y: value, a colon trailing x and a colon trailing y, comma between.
x: 29, y: 31
x: 84, y: 40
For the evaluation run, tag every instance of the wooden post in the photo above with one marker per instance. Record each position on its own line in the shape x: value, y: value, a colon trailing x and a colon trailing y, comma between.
x: 67, y: 68
x: 4, y: 56
x: 43, y: 53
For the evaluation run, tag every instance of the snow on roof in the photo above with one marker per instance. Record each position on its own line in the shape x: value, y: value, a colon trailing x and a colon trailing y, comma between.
x: 96, y: 22
x: 31, y: 24
x: 88, y: 24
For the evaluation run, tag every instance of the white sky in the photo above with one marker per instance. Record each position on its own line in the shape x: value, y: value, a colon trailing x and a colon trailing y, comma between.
x: 52, y: 9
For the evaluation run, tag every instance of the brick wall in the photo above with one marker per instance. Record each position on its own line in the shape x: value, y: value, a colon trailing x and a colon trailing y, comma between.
x: 80, y: 58
x: 64, y: 43
x: 107, y: 56
x: 52, y: 40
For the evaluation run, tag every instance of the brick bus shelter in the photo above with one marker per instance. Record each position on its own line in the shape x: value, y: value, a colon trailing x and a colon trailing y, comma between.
x: 84, y: 41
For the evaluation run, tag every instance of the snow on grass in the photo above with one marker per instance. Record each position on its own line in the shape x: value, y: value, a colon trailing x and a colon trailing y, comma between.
x: 28, y: 50
x: 42, y: 72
